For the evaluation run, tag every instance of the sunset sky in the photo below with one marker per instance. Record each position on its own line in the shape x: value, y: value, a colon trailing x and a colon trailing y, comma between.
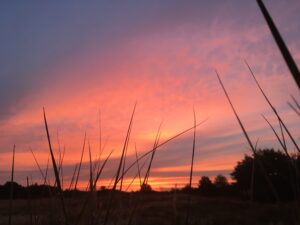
x: 77, y: 59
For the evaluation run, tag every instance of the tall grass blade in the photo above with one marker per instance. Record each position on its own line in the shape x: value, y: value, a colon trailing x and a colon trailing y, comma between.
x: 282, y: 134
x: 283, y: 145
x: 123, y: 166
x: 146, y: 177
x: 252, y: 174
x: 273, y: 108
x: 91, y: 168
x: 295, y: 102
x: 73, y: 177
x: 60, y: 169
x: 55, y: 170
x: 38, y: 165
x: 93, y: 188
x: 119, y: 168
x: 162, y: 144
x: 191, y: 171
x: 280, y: 43
x: 138, y: 165
x: 294, y: 108
x: 193, y: 152
x: 11, y: 193
x: 136, y: 175
x: 248, y: 140
x: 46, y: 172
x: 79, y: 167
x: 152, y: 155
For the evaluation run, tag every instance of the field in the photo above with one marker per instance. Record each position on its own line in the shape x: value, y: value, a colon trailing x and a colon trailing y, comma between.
x: 156, y: 209
x: 262, y: 189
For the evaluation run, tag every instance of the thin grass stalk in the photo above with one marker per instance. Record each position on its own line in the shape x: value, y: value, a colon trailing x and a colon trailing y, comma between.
x: 283, y: 145
x: 138, y: 165
x: 93, y: 188
x: 295, y: 101
x: 123, y: 166
x: 73, y: 177
x: 248, y: 140
x: 277, y: 115
x: 59, y: 148
x: 91, y: 169
x: 46, y: 172
x: 101, y: 169
x: 293, y: 108
x: 55, y: 170
x: 92, y: 207
x: 97, y: 164
x: 121, y: 182
x: 100, y: 150
x: 38, y: 165
x: 193, y: 152
x: 280, y: 43
x: 44, y: 175
x: 153, y: 154
x: 79, y: 167
x: 149, y: 152
x: 119, y: 169
x: 282, y: 134
x: 11, y: 193
x: 191, y: 171
x: 252, y: 174
x: 98, y: 161
x: 145, y: 181
x: 59, y: 156
x: 61, y: 168
x: 162, y: 144
x: 122, y: 178
x: 292, y: 167
x: 136, y: 175
x: 273, y: 108
x: 109, y: 186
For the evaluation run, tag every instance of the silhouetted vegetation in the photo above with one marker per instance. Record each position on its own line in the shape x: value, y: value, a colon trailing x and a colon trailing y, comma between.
x: 280, y: 169
x: 264, y: 176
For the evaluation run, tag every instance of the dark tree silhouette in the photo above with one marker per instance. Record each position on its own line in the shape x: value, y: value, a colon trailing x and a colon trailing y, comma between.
x: 206, y: 187
x: 221, y: 181
x: 280, y: 169
x: 146, y: 188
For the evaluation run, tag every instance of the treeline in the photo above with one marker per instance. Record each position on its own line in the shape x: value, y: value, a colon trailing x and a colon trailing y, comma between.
x: 32, y: 191
x: 269, y: 177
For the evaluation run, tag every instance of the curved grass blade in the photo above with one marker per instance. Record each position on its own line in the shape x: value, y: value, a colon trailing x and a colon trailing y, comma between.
x: 273, y: 108
x: 274, y: 192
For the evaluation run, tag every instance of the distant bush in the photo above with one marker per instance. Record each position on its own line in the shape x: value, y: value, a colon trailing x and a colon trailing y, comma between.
x: 146, y: 188
x: 205, y: 186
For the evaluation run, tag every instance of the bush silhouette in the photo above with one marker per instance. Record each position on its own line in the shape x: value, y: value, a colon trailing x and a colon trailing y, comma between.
x: 279, y: 168
x: 206, y: 187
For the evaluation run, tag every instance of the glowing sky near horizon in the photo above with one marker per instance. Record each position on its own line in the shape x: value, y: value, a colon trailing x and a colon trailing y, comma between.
x: 78, y: 58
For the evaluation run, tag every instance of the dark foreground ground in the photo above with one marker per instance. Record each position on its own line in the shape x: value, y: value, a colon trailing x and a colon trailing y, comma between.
x: 151, y: 209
